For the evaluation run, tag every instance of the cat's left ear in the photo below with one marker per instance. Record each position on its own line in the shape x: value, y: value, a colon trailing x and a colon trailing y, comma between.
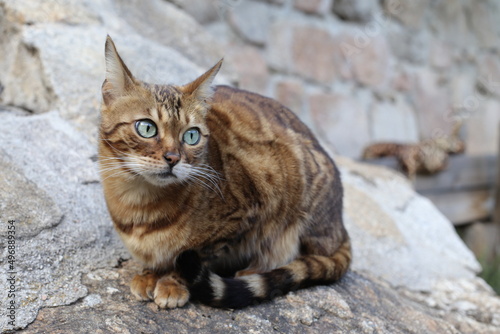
x: 201, y: 87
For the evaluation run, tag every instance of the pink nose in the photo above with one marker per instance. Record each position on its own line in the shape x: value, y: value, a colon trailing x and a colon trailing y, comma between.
x: 172, y: 158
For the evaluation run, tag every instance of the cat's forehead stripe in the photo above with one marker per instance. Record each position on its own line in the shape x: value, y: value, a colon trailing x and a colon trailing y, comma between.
x: 169, y: 98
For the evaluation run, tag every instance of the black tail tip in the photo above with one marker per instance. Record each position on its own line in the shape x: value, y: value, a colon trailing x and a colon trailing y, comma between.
x: 188, y: 265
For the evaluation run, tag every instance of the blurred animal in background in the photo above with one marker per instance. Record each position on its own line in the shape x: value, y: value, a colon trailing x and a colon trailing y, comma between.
x: 426, y: 157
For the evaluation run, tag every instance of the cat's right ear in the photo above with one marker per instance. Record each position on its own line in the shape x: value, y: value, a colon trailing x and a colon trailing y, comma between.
x: 118, y: 80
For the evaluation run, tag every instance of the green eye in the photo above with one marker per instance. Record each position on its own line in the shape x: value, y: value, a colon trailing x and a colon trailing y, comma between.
x: 191, y: 136
x: 146, y: 128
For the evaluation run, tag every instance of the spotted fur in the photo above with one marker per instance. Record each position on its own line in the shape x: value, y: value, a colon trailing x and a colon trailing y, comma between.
x: 251, y: 211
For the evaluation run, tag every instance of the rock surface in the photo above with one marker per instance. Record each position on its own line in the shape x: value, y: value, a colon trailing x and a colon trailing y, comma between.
x: 356, y: 10
x: 381, y: 209
x: 356, y: 305
x: 255, y: 29
x: 411, y: 273
x: 32, y: 207
x: 59, y: 160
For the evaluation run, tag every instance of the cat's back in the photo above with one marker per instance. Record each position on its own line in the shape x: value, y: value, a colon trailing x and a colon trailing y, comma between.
x: 241, y: 115
x: 262, y: 145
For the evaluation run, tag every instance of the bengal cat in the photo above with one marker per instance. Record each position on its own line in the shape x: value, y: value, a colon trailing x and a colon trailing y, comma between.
x: 225, y: 196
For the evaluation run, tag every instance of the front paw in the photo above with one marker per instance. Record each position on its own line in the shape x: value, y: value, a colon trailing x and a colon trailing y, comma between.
x: 143, y: 285
x: 170, y: 292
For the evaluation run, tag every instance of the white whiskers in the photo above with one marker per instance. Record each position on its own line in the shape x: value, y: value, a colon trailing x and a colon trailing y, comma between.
x: 118, y: 169
x: 123, y: 165
x: 207, y: 177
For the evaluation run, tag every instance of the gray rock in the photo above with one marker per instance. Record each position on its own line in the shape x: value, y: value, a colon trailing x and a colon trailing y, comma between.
x: 21, y: 72
x: 488, y: 80
x: 355, y: 10
x: 449, y: 22
x: 410, y: 13
x: 371, y: 63
x: 315, y: 7
x: 32, y: 208
x: 432, y: 104
x: 251, y: 68
x: 160, y: 21
x: 276, y: 2
x: 167, y: 25
x: 50, y: 153
x: 482, y: 129
x: 251, y: 20
x: 61, y: 67
x: 394, y: 122
x: 391, y: 224
x: 204, y: 12
x: 408, y: 45
x: 334, y: 117
x: 68, y: 11
x: 279, y: 55
x: 315, y: 54
x: 26, y: 80
x: 482, y: 16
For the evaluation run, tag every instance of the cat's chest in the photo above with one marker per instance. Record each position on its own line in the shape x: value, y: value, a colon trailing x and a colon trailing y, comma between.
x: 158, y: 248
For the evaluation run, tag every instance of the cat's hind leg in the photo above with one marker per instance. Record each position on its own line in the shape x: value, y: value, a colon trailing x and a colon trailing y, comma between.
x: 249, y: 289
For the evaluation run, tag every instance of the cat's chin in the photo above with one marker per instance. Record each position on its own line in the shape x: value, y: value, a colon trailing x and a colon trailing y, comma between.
x: 166, y: 177
x: 162, y: 179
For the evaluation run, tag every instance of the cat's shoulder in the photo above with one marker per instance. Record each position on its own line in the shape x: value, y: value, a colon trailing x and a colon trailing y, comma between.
x: 237, y: 101
x: 238, y: 106
x: 228, y: 94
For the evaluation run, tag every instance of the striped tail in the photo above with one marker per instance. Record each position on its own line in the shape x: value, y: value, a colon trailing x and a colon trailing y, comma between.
x: 211, y: 289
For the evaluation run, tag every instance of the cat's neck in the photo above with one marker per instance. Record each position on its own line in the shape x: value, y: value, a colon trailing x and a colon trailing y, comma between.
x: 138, y: 192
x: 135, y: 202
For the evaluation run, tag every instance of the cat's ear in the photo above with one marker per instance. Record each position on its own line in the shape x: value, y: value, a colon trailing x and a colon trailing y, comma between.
x: 201, y: 87
x: 118, y: 80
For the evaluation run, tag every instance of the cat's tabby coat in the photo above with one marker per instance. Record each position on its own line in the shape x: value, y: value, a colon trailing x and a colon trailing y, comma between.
x: 225, y: 196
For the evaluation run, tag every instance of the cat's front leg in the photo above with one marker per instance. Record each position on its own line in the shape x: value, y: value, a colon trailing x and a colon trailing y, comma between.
x: 167, y: 290
x: 143, y: 285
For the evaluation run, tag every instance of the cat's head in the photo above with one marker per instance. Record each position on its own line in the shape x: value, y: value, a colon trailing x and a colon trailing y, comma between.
x: 154, y: 132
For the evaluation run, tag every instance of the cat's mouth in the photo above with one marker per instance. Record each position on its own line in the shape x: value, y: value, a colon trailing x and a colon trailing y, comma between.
x: 162, y: 178
x: 166, y: 174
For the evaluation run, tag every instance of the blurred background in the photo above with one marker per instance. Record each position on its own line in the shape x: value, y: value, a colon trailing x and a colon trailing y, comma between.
x: 410, y: 85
